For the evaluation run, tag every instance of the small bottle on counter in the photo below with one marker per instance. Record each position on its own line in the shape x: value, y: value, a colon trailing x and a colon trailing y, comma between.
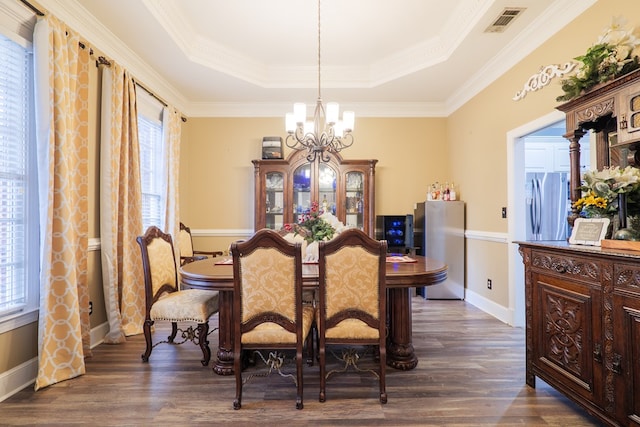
x: 452, y: 192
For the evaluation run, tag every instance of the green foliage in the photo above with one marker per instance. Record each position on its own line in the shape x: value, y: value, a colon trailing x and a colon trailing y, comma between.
x: 613, y: 56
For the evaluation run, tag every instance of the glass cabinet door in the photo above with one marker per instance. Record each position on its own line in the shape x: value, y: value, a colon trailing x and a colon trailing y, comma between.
x: 274, y: 203
x: 353, y: 199
x: 327, y: 177
x: 301, y: 191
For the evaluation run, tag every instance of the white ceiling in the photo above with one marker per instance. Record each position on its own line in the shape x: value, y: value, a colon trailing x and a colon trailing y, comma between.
x: 257, y: 57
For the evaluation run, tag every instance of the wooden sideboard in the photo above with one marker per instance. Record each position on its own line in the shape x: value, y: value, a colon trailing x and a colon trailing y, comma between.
x: 583, y: 326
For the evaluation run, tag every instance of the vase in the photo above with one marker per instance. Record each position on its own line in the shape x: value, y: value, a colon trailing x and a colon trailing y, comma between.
x: 311, y: 252
x: 622, y: 211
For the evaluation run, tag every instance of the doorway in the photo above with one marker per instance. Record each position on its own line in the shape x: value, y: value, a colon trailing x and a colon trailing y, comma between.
x: 549, y: 127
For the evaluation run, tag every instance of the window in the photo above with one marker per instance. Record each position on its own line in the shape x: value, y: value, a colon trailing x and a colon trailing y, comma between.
x: 18, y: 188
x: 152, y: 156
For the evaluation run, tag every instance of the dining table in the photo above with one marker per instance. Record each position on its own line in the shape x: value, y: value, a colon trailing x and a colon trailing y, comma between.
x: 402, y: 274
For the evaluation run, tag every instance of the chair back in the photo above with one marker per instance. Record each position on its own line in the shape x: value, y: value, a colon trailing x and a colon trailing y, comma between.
x: 158, y: 264
x: 185, y: 243
x: 352, y: 283
x: 267, y: 273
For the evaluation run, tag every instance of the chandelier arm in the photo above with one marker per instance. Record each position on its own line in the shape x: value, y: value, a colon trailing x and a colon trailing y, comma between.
x: 345, y: 141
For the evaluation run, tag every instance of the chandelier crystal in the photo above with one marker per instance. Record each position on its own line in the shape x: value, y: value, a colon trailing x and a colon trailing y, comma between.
x: 325, y: 133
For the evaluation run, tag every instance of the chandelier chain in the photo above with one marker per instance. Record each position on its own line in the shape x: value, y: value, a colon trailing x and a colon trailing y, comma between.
x: 326, y: 134
x: 319, y: 94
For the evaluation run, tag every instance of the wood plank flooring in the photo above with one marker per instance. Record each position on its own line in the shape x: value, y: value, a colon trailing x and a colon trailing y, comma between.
x: 470, y: 373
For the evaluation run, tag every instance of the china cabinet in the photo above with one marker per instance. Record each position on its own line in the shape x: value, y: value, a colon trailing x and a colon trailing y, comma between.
x: 285, y: 190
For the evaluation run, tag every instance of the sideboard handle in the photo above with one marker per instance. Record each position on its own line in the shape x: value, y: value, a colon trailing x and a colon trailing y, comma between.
x: 617, y: 364
x: 597, y: 353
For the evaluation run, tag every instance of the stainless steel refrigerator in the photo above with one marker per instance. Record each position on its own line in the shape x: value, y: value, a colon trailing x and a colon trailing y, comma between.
x: 440, y: 230
x: 548, y: 203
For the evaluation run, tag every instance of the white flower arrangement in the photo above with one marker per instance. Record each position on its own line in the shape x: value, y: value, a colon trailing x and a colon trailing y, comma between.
x: 614, y: 55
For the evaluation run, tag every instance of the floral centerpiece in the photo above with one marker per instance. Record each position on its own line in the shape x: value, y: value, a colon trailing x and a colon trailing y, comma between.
x: 312, y: 226
x: 614, y: 55
x: 602, y: 190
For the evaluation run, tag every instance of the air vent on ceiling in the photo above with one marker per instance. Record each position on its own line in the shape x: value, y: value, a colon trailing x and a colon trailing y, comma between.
x: 505, y: 19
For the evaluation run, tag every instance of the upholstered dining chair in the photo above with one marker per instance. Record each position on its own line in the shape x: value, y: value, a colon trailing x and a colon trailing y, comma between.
x: 185, y: 247
x: 352, y: 302
x: 165, y: 301
x: 268, y: 313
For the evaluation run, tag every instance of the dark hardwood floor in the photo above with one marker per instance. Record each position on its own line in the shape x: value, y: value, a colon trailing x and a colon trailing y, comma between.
x: 471, y: 373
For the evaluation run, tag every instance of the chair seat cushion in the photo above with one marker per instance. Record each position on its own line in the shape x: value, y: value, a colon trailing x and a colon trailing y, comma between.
x: 273, y: 333
x: 352, y: 329
x: 189, y: 305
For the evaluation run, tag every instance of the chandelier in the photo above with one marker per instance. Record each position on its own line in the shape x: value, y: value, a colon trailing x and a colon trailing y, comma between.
x: 325, y: 133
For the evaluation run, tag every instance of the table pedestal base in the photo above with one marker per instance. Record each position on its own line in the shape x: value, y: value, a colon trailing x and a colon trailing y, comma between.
x: 400, y: 353
x: 401, y: 357
x: 223, y: 365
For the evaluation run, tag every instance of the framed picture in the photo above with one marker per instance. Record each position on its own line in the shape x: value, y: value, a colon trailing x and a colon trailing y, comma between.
x: 589, y: 231
x: 272, y: 147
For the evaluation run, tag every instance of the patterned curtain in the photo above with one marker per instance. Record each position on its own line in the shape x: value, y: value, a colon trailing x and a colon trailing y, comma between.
x: 172, y: 130
x: 120, y: 206
x: 62, y: 140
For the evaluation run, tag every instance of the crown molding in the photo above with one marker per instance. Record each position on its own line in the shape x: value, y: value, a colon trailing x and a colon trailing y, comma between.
x: 555, y: 18
x: 106, y: 43
x: 411, y: 59
x: 364, y: 109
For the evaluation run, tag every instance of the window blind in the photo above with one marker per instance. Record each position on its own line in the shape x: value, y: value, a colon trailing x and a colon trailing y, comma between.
x: 14, y: 139
x: 151, y: 176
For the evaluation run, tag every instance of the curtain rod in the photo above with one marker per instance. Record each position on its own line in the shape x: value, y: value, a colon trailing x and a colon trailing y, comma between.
x: 101, y: 59
x: 32, y: 7
x: 162, y: 101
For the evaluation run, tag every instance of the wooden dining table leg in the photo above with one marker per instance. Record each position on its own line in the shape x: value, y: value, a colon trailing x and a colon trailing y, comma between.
x: 400, y: 352
x: 223, y: 365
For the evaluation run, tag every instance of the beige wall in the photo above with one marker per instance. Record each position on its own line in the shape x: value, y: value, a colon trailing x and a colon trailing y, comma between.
x: 216, y: 181
x: 469, y: 147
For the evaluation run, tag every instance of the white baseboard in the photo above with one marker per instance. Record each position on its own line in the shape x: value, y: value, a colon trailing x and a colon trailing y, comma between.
x: 24, y: 375
x: 14, y: 380
x: 496, y: 310
x: 98, y: 333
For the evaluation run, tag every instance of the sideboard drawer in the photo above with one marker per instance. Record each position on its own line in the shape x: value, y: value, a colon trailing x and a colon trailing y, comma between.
x: 626, y: 277
x: 574, y: 267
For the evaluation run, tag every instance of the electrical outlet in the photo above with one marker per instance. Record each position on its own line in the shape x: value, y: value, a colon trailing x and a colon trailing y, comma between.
x: 489, y: 284
x: 90, y: 307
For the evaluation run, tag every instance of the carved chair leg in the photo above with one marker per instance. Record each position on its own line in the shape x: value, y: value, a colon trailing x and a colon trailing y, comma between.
x: 309, y: 343
x: 382, y: 355
x: 237, y: 368
x: 299, y: 404
x: 147, y: 337
x: 203, y: 330
x: 323, y: 373
x: 174, y: 332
